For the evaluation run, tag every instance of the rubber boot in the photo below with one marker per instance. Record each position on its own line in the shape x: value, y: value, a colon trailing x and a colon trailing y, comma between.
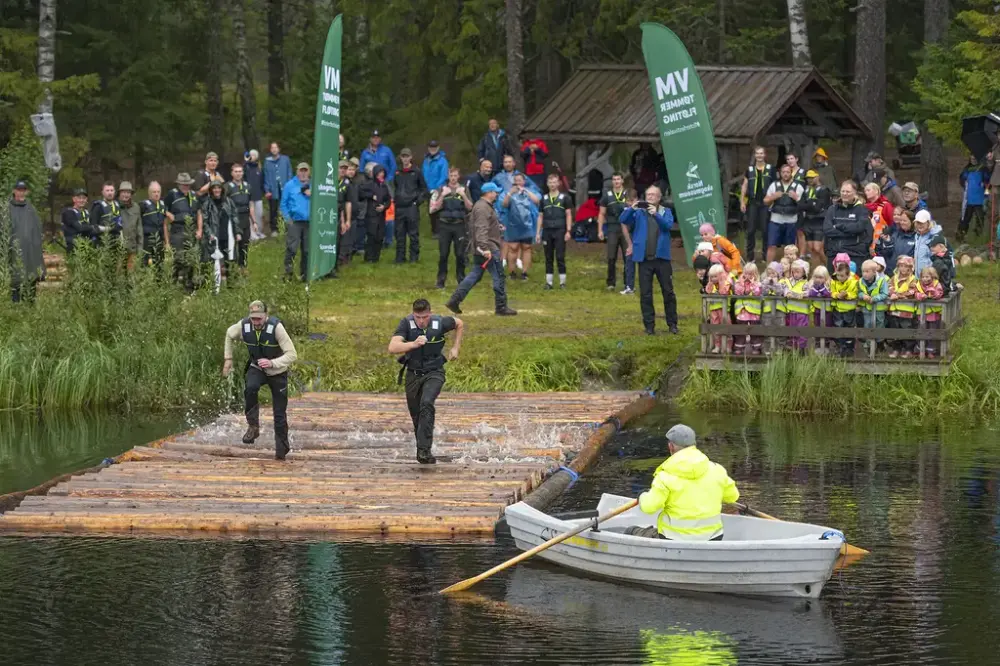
x: 425, y: 457
x: 281, y: 449
x: 251, y: 435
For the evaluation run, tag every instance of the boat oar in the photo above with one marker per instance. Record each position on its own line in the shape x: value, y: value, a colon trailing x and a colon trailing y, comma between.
x: 845, y: 549
x: 469, y: 582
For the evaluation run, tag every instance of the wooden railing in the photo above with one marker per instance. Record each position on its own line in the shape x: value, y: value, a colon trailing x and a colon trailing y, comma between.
x: 819, y: 335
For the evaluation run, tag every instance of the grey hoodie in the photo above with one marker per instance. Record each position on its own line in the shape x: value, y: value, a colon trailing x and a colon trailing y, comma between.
x: 25, y: 253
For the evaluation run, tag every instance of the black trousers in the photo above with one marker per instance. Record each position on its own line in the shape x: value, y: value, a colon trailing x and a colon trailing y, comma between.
x: 407, y: 226
x: 27, y: 292
x: 186, y: 255
x: 374, y: 236
x: 663, y: 271
x: 616, y: 243
x: 242, y: 229
x: 971, y: 210
x: 297, y: 241
x: 422, y: 389
x: 255, y: 379
x: 554, y: 241
x: 435, y: 221
x: 451, y: 234
x: 273, y: 209
x: 345, y: 243
x: 152, y: 247
x: 758, y: 215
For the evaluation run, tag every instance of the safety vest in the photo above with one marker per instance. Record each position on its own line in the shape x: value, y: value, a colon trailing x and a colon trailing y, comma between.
x: 240, y: 194
x: 874, y: 290
x: 713, y: 288
x: 751, y: 304
x: 342, y: 193
x: 183, y: 207
x: 111, y: 215
x: 785, y: 205
x: 153, y: 214
x: 261, y: 343
x: 796, y: 292
x: 615, y: 207
x: 902, y: 286
x: 850, y: 285
x: 752, y: 177
x: 453, y: 207
x: 430, y: 356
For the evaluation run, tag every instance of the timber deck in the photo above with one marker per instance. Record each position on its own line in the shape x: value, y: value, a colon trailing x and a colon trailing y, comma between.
x: 351, y: 469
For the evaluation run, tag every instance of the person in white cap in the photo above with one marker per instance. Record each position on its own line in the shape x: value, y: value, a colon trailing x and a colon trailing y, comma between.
x: 688, y: 491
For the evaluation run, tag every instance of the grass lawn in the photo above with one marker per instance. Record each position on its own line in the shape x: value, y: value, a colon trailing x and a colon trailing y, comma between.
x: 583, y: 337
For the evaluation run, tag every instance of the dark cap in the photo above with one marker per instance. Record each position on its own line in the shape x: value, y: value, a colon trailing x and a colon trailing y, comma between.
x: 406, y: 152
x: 21, y: 185
x: 79, y: 192
x: 375, y: 133
x: 432, y: 143
x: 701, y: 262
x: 937, y: 239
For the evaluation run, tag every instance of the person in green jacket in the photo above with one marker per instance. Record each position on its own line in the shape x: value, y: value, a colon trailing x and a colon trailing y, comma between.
x: 688, y: 491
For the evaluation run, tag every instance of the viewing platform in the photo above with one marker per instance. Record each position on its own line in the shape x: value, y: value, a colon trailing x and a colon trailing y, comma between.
x: 821, y: 338
x: 352, y: 469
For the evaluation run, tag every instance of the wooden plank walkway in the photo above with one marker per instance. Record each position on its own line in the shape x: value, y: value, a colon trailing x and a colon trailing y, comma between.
x: 352, y: 468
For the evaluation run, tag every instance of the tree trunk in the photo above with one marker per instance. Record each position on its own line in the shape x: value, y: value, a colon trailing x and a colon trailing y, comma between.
x: 515, y: 70
x: 722, y: 32
x: 275, y: 55
x: 869, y: 75
x: 213, y: 79
x: 244, y: 77
x: 46, y: 51
x: 933, y: 162
x: 798, y: 33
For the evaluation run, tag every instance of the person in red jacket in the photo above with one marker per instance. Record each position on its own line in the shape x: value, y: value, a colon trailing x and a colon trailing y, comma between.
x: 881, y: 210
x: 534, y: 152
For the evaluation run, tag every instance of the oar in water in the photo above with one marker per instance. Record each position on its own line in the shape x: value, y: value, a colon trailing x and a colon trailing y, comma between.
x: 469, y: 582
x: 845, y: 549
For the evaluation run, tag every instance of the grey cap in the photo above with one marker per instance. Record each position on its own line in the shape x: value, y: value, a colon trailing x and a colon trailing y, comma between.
x: 681, y: 435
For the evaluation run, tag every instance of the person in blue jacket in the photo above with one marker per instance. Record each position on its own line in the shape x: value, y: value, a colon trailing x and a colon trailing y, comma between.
x: 435, y: 170
x: 649, y: 224
x: 383, y: 155
x: 975, y: 179
x: 295, y: 208
x: 277, y: 172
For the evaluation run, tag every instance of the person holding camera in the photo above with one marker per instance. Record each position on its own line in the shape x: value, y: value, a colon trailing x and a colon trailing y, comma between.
x: 649, y: 225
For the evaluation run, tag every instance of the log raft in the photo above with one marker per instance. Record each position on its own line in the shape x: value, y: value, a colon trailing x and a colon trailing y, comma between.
x: 352, y: 469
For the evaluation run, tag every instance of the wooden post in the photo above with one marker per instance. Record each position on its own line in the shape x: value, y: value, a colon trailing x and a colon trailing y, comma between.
x: 922, y: 325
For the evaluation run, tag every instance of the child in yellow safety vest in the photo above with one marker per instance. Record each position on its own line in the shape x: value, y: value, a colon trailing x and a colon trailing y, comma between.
x: 844, y: 292
x: 933, y: 290
x: 796, y: 288
x: 873, y: 295
x: 718, y: 311
x: 772, y: 291
x: 748, y: 308
x: 904, y: 286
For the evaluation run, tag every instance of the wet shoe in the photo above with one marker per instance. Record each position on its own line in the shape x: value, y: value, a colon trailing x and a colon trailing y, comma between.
x: 426, y: 457
x: 251, y: 435
x: 453, y: 306
x: 282, y: 452
x: 506, y: 312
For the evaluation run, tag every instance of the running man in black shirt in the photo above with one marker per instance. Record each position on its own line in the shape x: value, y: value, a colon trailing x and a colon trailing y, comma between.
x: 555, y: 224
x: 612, y: 203
x: 420, y: 338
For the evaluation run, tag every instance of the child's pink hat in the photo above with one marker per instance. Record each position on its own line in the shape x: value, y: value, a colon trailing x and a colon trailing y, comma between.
x: 842, y: 258
x: 706, y: 228
x: 777, y: 268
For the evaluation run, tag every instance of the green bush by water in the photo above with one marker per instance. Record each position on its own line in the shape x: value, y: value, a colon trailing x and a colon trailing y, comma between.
x: 110, y: 338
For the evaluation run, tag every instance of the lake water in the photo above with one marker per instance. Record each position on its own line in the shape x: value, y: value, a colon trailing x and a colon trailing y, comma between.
x: 923, y: 499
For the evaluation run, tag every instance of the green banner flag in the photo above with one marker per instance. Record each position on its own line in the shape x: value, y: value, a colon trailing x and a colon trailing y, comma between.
x: 685, y: 134
x: 323, y: 211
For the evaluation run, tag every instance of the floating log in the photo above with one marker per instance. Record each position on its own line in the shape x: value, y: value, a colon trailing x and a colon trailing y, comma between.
x: 352, y: 469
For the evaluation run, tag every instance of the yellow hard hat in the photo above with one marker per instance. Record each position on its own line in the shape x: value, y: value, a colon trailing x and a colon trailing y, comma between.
x: 821, y: 153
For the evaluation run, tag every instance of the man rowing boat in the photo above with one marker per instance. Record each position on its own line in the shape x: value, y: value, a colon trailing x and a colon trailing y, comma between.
x: 689, y: 490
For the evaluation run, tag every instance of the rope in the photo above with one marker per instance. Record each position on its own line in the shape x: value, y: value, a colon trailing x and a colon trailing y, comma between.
x: 573, y: 476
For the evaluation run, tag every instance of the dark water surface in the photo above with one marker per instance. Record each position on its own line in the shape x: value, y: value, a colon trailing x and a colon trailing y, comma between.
x: 923, y: 499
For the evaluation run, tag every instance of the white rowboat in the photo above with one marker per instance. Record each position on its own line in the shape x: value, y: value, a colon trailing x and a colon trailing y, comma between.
x: 757, y: 557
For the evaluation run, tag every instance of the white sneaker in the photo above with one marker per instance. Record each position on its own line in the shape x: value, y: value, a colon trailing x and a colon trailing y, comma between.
x: 626, y: 291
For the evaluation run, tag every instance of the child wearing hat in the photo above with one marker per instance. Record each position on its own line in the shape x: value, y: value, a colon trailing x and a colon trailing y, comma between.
x: 723, y: 245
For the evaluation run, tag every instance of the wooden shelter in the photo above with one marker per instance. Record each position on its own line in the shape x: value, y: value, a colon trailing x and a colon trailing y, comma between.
x: 786, y: 107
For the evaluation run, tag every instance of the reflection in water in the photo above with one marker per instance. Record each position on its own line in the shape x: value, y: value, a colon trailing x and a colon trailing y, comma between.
x: 35, y: 448
x: 923, y: 499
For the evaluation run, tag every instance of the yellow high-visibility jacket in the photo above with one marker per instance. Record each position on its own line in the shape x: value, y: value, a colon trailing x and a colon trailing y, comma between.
x: 689, y: 489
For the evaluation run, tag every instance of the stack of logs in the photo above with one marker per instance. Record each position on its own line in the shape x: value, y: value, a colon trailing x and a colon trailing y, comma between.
x: 55, y: 270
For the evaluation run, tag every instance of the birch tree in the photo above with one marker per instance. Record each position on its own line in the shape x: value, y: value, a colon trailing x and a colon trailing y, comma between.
x: 933, y: 163
x: 798, y: 33
x: 46, y: 51
x: 515, y: 69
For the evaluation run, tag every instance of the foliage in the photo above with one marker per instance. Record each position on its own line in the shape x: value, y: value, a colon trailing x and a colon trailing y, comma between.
x: 960, y: 77
x: 22, y: 159
x: 821, y: 385
x: 113, y: 339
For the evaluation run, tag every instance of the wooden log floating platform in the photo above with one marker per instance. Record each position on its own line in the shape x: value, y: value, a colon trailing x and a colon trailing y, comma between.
x: 352, y: 469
